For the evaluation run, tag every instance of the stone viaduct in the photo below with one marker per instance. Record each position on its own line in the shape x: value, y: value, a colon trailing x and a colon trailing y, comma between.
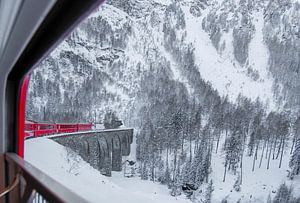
x: 102, y: 149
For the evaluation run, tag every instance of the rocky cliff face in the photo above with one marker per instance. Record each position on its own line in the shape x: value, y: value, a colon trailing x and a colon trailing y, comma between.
x: 187, y: 50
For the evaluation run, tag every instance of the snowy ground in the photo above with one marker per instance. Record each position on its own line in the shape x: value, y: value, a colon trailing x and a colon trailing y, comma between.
x: 257, y: 184
x: 81, y: 178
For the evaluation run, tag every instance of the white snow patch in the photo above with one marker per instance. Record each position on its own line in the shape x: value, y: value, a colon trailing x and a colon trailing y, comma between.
x: 259, y: 54
x: 114, y: 16
x: 222, y: 71
x: 163, y: 2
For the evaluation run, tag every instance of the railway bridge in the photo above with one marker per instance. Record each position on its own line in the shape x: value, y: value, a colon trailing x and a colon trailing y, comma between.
x: 102, y: 149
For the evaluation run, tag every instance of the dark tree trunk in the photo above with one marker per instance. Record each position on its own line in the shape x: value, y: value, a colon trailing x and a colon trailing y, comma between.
x: 283, y: 142
x: 270, y: 151
x: 255, y: 156
x: 218, y: 141
x: 268, y: 143
x: 262, y: 154
x: 274, y: 148
x: 293, y: 144
x: 279, y: 148
x: 225, y: 171
x: 175, y: 163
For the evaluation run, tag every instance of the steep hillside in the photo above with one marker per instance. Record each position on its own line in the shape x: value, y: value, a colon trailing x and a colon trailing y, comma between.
x: 118, y: 45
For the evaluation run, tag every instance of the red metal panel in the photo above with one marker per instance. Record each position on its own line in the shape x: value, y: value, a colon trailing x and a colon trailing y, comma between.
x: 22, y: 111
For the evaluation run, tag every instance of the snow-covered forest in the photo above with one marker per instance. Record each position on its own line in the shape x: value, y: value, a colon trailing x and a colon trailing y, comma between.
x: 211, y: 88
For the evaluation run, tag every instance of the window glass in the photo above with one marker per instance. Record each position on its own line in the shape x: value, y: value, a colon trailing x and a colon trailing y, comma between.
x: 172, y: 101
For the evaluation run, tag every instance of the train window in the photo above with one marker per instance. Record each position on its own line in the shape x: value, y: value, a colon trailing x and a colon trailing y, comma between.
x: 172, y: 101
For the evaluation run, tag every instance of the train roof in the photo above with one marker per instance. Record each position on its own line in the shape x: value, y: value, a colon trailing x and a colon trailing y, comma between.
x: 40, y: 122
x: 49, y: 122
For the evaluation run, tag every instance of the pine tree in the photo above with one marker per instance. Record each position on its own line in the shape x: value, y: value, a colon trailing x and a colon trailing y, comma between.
x: 208, y: 193
x: 269, y: 200
x: 38, y: 84
x: 186, y: 172
x: 251, y: 144
x: 296, y: 131
x: 295, y: 159
x: 167, y: 177
x: 206, y: 165
x: 237, y: 184
x: 144, y: 175
x: 283, y: 194
x: 283, y: 129
x: 201, y: 163
x: 161, y: 169
x: 195, y: 171
x: 294, y: 200
x: 233, y: 150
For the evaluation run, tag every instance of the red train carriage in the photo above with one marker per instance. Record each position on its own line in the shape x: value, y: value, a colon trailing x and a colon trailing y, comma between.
x: 36, y: 129
x: 69, y: 127
x: 85, y: 126
x: 29, y: 128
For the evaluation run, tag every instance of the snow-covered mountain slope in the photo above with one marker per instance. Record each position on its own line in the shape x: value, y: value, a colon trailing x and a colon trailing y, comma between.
x: 69, y: 169
x: 222, y: 70
x: 112, y: 51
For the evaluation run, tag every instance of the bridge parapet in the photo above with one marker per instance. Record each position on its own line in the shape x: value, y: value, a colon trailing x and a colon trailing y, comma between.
x: 102, y: 149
